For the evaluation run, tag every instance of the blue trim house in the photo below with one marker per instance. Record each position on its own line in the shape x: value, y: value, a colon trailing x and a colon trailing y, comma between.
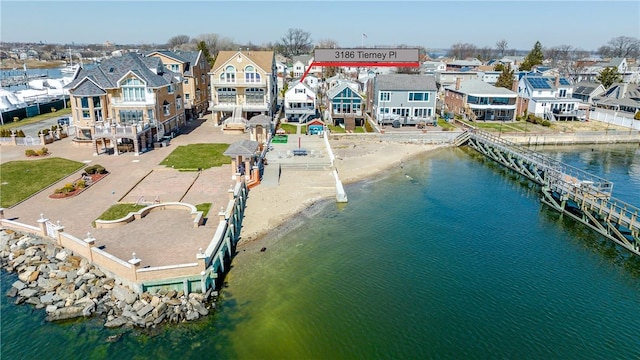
x: 345, y: 106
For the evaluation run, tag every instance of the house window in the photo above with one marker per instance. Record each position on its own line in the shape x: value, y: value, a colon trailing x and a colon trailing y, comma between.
x: 250, y: 75
x: 229, y: 75
x: 421, y: 112
x: 299, y: 91
x: 133, y: 90
x: 418, y: 96
x: 226, y: 95
x: 84, y: 102
x: 170, y: 89
x: 86, y: 114
x: 563, y: 93
x: 187, y: 96
x: 96, y: 102
x: 198, y: 94
x: 186, y: 81
x: 384, y: 110
x: 385, y: 96
x: 178, y: 103
x: 130, y: 116
x: 203, y: 78
x: 254, y: 96
x: 174, y: 67
x: 150, y: 114
x: 166, y: 108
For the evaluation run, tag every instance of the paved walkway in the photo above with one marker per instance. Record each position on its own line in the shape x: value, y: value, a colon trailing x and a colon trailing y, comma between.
x: 162, y: 237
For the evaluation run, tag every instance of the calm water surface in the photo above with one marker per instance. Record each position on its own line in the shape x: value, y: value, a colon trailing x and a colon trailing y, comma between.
x: 450, y: 256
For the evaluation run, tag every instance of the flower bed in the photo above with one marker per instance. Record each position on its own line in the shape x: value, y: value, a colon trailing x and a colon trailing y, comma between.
x: 91, y: 175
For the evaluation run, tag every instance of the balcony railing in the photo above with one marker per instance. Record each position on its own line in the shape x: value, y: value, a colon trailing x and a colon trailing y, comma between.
x: 298, y: 111
x: 119, y: 130
x: 150, y: 100
x: 218, y: 82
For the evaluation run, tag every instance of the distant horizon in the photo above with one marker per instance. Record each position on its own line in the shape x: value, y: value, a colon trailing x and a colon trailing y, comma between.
x: 385, y: 23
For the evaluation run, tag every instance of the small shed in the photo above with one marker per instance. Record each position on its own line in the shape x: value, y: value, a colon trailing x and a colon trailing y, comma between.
x: 315, y: 127
x: 242, y: 155
x: 259, y: 127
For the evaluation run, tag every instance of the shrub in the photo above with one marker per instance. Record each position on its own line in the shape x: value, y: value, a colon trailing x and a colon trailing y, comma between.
x: 5, y: 133
x: 43, y: 151
x: 80, y: 184
x: 637, y: 115
x: 30, y: 152
x: 45, y: 132
x: 95, y: 169
x: 20, y: 133
x: 546, y: 123
x: 68, y: 188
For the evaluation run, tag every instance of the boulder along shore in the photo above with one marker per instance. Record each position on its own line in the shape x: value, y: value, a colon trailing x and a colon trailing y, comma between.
x: 67, y: 286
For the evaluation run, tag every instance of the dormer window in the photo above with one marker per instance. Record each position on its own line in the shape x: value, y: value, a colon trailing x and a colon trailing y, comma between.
x: 166, y: 106
x: 251, y: 75
x: 229, y: 75
x: 170, y: 89
x: 133, y: 89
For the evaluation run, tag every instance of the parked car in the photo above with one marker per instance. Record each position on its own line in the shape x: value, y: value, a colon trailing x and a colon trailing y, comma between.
x: 63, y: 121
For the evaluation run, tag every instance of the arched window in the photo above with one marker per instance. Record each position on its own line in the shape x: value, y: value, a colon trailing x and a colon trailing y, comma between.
x: 133, y: 89
x: 251, y: 75
x: 229, y: 75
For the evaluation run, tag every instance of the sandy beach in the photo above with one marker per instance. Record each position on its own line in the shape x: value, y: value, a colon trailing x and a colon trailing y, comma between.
x: 269, y: 208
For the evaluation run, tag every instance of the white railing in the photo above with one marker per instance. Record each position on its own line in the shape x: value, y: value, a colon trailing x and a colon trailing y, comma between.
x: 239, y: 82
x: 149, y: 100
x: 614, y: 118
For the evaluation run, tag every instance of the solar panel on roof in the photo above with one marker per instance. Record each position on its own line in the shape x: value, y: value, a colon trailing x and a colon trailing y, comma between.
x: 564, y: 81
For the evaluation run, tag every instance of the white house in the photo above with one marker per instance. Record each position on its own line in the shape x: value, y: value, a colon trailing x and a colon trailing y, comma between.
x: 300, y: 65
x: 550, y: 98
x: 312, y: 81
x: 299, y: 102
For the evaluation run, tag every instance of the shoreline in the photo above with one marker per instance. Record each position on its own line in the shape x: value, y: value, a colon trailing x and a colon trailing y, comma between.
x: 277, y: 209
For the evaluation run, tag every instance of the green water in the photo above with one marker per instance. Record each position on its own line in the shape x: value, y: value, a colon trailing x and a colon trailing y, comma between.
x: 450, y: 256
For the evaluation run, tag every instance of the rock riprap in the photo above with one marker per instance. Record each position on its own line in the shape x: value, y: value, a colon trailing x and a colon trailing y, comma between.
x: 67, y: 286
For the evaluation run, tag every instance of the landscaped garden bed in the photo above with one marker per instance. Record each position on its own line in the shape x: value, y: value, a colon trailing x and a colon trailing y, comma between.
x: 91, y: 175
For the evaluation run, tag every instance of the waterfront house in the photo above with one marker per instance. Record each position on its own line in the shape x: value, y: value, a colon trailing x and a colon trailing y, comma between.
x: 587, y: 91
x: 126, y: 103
x: 194, y: 69
x: 243, y: 84
x: 446, y: 78
x: 410, y: 98
x: 620, y: 97
x: 299, y: 102
x: 344, y: 106
x: 550, y: 98
x: 480, y: 101
x: 459, y: 65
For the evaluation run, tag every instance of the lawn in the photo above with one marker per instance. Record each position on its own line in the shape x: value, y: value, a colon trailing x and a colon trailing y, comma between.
x: 118, y: 211
x: 445, y: 125
x: 197, y: 156
x: 37, y: 118
x: 21, y: 179
x: 290, y: 129
x: 204, y: 207
x: 336, y: 129
x: 359, y: 129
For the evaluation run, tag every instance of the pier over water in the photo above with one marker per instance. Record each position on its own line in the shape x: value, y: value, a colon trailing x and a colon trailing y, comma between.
x: 571, y: 191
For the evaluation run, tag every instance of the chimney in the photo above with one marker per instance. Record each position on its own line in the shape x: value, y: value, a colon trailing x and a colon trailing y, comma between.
x: 457, y: 83
x: 557, y: 81
x: 514, y: 86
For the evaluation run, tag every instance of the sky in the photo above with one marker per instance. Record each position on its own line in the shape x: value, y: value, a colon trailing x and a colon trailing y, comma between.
x: 583, y: 24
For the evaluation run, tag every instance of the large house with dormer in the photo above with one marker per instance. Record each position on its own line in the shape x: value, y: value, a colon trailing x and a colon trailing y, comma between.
x: 345, y: 105
x: 243, y: 84
x: 550, y: 98
x: 194, y: 69
x: 126, y: 103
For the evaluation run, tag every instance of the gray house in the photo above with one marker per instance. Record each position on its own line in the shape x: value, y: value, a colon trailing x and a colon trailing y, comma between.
x: 406, y: 97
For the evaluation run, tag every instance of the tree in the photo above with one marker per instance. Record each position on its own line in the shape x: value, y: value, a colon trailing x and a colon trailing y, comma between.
x: 498, y: 67
x: 502, y: 47
x: 505, y: 79
x: 621, y: 46
x: 178, y: 40
x: 534, y: 57
x: 202, y: 46
x: 462, y: 50
x: 485, y: 54
x: 608, y: 77
x: 296, y: 42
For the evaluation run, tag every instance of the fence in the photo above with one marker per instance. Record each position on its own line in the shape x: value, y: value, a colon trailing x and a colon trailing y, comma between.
x: 614, y: 118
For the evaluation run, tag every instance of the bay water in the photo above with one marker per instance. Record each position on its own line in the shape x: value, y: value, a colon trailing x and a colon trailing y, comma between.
x: 449, y: 256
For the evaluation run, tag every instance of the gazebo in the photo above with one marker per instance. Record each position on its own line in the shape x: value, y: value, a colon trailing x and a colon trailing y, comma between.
x: 260, y: 127
x: 242, y: 155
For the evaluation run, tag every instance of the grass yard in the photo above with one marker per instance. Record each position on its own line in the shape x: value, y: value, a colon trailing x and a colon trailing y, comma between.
x: 21, y: 179
x: 197, y: 156
x: 445, y: 125
x: 290, y: 129
x: 34, y: 119
x: 118, y: 211
x: 359, y: 129
x: 336, y: 129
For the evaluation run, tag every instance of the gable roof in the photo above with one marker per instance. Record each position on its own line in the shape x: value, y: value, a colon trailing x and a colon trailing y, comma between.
x: 545, y: 82
x: 334, y: 91
x: 244, y: 148
x: 405, y: 82
x: 88, y: 88
x: 586, y: 88
x: 302, y: 58
x: 261, y: 119
x: 263, y: 59
x: 107, y: 74
x: 479, y: 87
x: 295, y: 83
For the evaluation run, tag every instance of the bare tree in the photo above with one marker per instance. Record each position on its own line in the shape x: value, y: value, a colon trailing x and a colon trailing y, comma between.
x: 485, y: 53
x: 558, y: 54
x: 502, y: 47
x: 621, y: 46
x: 327, y: 44
x: 296, y: 42
x: 178, y: 40
x: 462, y: 50
x: 215, y: 43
